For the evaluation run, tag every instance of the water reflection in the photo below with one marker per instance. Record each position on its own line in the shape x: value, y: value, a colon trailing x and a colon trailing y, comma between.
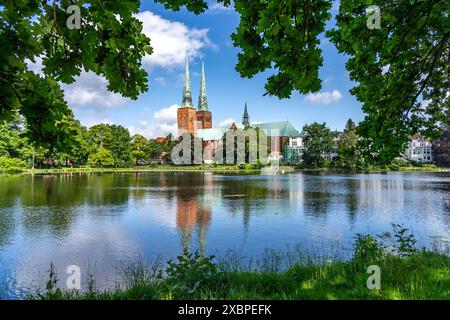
x: 105, y: 218
x: 193, y: 214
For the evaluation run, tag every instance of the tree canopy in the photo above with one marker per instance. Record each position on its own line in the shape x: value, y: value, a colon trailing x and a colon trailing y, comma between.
x: 318, y: 140
x: 401, y: 70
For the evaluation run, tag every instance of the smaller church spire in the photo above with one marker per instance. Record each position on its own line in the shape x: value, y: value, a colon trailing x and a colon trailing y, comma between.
x: 187, y: 95
x: 245, y: 117
x: 202, y: 99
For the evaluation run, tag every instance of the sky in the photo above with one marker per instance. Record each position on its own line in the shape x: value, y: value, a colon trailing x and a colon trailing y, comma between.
x: 207, y: 37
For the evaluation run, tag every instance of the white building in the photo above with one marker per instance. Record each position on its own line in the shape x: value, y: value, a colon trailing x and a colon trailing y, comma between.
x: 419, y: 150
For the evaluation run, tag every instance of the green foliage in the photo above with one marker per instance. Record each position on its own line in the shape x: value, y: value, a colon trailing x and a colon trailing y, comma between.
x: 11, y: 165
x: 52, y: 291
x: 261, y: 141
x: 367, y: 248
x: 139, y: 148
x: 196, y: 6
x: 441, y: 149
x: 115, y: 139
x: 120, y: 146
x: 318, y: 139
x: 190, y: 272
x: 405, y: 242
x: 401, y: 69
x: 102, y: 158
x: 104, y: 45
x: 425, y: 275
x: 282, y: 34
x: 348, y: 148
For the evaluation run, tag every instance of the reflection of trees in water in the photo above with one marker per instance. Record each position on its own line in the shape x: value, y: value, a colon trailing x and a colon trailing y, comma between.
x: 351, y: 197
x: 10, y: 187
x: 7, y: 226
x: 246, y: 196
x: 317, y: 196
x: 56, y: 220
x: 49, y: 201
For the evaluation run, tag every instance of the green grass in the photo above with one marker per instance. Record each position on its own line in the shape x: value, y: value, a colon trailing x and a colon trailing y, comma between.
x: 424, y: 275
x: 149, y: 168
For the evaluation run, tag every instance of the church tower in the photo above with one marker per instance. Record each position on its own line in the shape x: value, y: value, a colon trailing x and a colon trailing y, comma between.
x: 245, y: 117
x: 186, y: 114
x: 204, y: 117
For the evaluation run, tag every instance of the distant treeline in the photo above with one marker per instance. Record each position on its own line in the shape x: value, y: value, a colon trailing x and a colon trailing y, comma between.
x: 102, y: 145
x: 112, y: 146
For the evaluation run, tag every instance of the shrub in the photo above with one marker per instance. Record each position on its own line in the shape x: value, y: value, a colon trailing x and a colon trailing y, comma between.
x: 11, y: 165
x: 190, y: 272
x: 366, y: 247
x: 394, y: 167
x: 405, y: 242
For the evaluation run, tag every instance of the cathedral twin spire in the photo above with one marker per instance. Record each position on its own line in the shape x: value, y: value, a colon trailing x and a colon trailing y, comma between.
x: 187, y: 94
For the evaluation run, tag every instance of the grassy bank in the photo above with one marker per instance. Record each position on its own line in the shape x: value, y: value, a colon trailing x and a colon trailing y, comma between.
x: 406, y: 273
x: 218, y: 168
x: 151, y: 168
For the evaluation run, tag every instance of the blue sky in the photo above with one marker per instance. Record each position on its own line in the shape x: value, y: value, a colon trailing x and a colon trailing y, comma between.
x: 207, y: 38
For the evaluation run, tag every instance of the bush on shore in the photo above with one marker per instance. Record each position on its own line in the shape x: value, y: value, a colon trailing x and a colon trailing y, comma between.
x: 11, y: 165
x: 406, y: 273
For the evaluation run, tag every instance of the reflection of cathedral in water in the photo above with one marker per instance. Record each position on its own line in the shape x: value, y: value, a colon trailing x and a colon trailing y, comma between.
x: 193, y: 217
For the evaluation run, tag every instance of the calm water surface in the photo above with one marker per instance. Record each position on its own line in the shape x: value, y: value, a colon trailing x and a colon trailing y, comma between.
x: 103, y: 221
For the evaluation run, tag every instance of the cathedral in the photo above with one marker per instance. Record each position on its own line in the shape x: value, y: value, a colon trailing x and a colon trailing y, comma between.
x: 198, y: 122
x: 188, y: 117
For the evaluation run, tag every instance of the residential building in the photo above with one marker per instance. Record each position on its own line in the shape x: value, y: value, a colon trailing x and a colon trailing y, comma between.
x: 419, y: 150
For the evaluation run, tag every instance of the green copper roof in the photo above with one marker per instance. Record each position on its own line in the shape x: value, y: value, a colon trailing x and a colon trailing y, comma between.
x: 272, y: 129
x: 202, y: 99
x: 278, y: 129
x: 187, y: 95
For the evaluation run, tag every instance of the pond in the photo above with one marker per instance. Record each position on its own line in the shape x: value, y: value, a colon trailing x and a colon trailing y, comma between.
x: 101, y: 222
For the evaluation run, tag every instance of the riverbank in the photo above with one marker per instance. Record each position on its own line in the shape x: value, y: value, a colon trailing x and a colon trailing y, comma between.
x: 422, y: 276
x: 375, y: 271
x: 223, y: 168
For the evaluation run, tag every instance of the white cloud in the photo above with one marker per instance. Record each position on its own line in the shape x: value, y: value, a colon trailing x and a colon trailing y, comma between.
x: 90, y: 90
x: 226, y: 123
x: 162, y: 123
x: 171, y: 39
x: 216, y: 8
x: 324, y: 97
x: 168, y: 114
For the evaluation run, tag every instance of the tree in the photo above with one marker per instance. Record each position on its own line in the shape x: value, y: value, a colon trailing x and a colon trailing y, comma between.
x: 282, y: 34
x: 99, y: 136
x: 139, y: 148
x: 402, y: 70
x: 120, y: 146
x: 318, y: 139
x: 32, y: 153
x: 110, y: 42
x: 441, y: 149
x: 76, y: 148
x: 261, y: 139
x: 10, y: 140
x: 114, y: 138
x: 102, y: 158
x: 349, y: 156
